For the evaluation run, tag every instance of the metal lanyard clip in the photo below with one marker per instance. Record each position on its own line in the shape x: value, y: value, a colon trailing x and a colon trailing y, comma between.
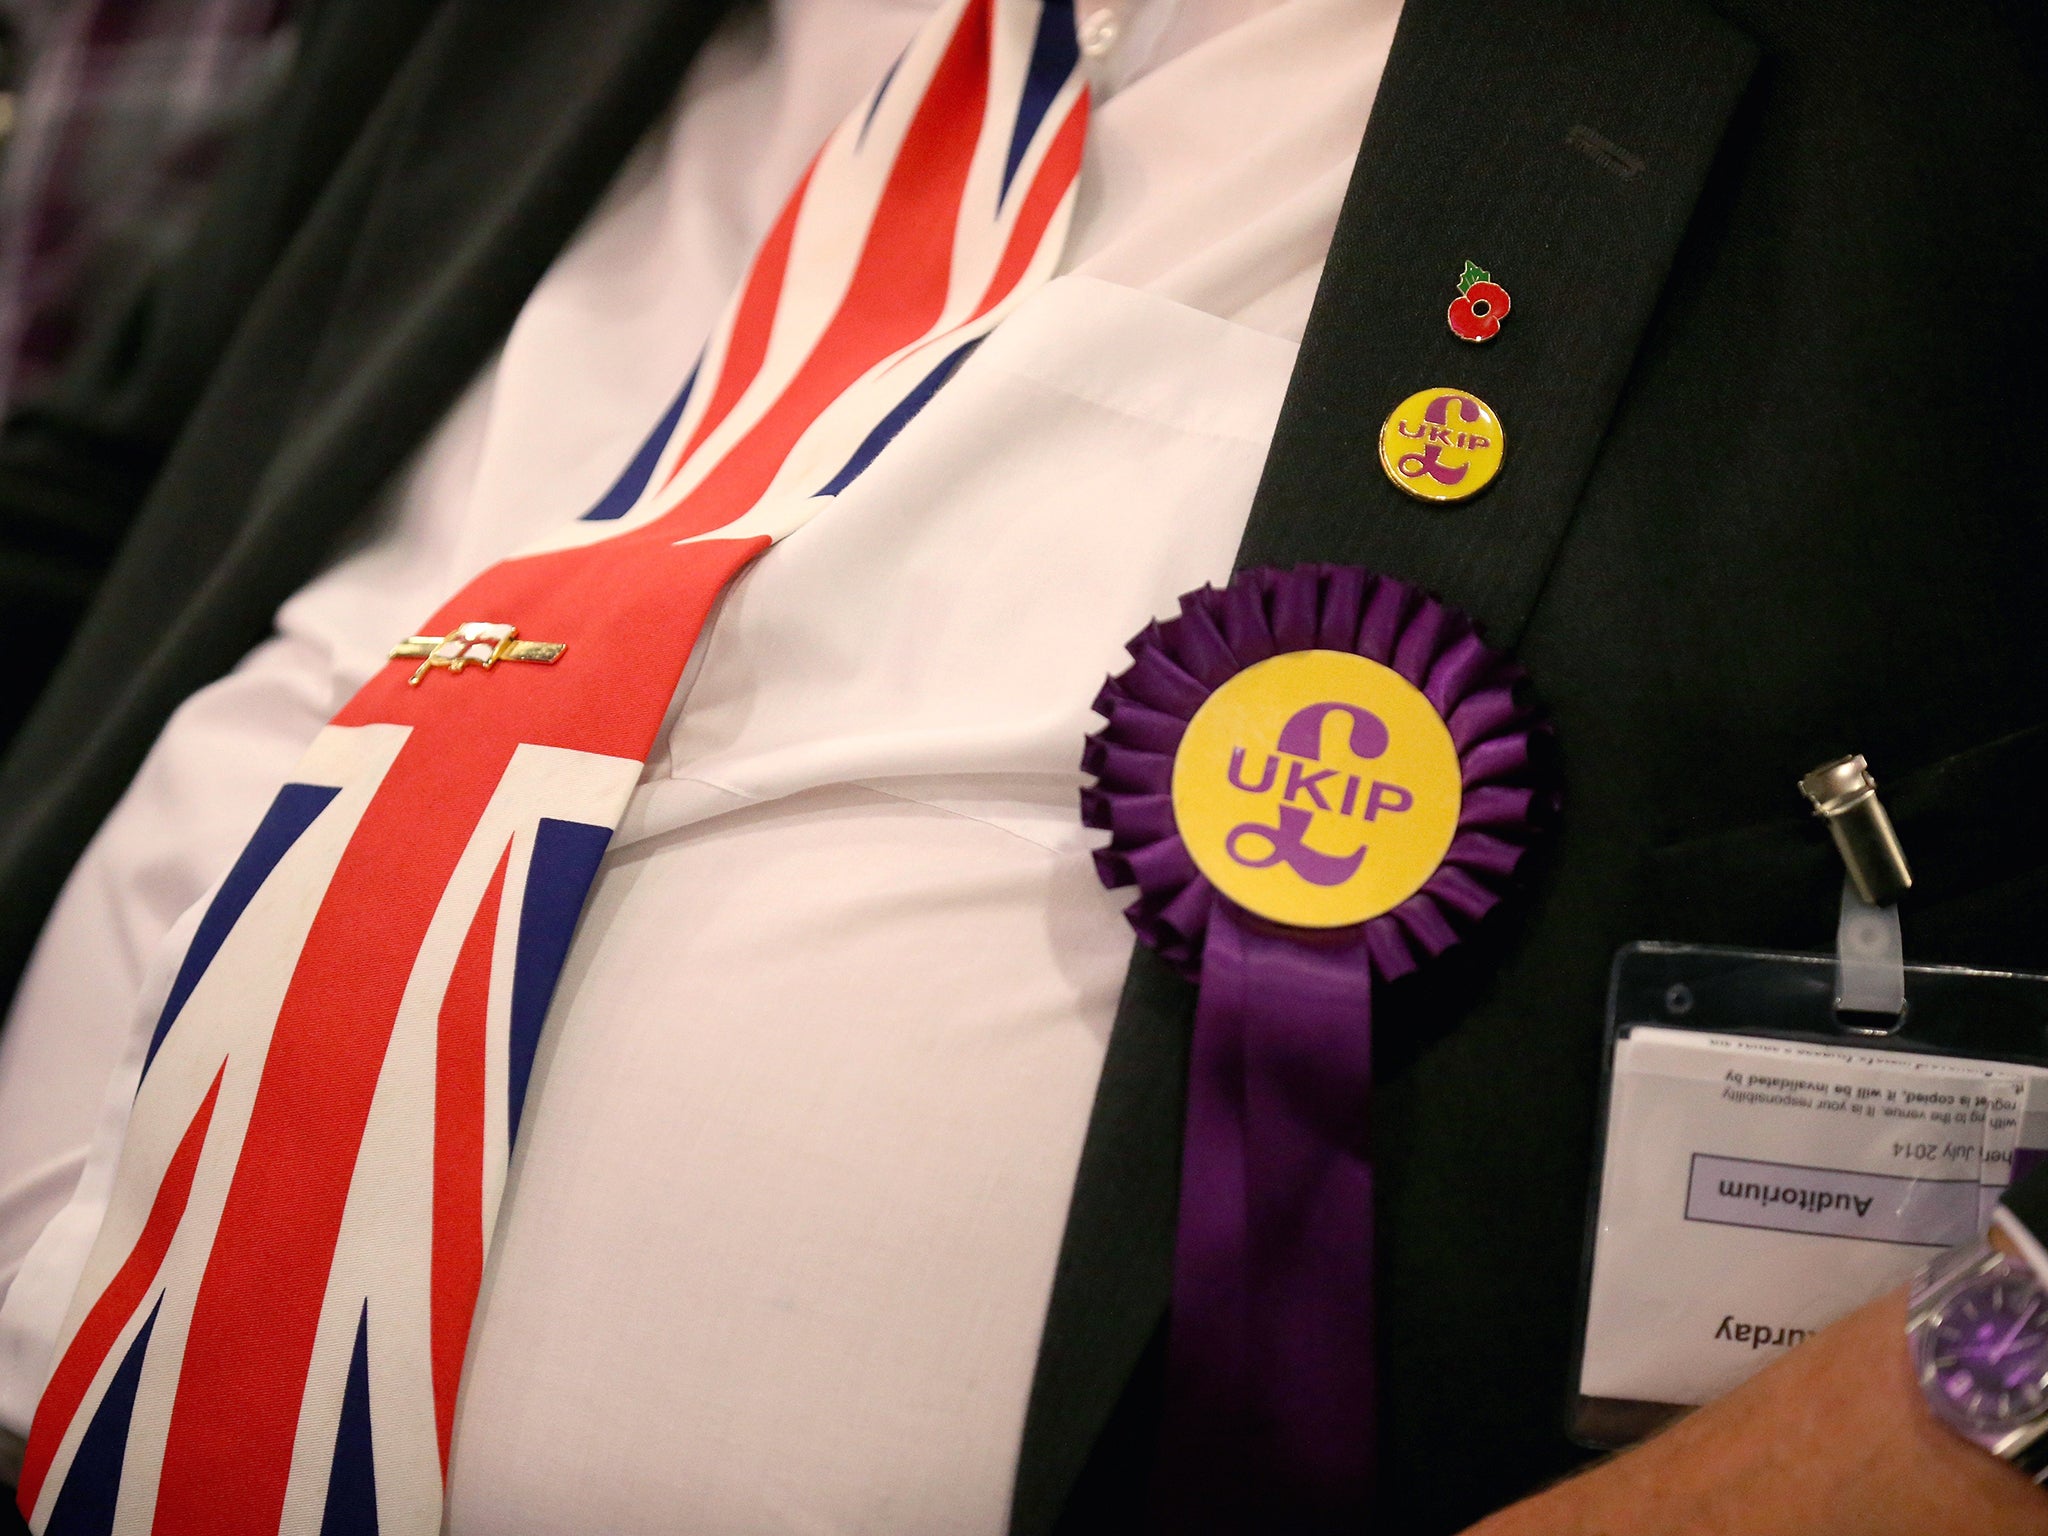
x: 1844, y: 795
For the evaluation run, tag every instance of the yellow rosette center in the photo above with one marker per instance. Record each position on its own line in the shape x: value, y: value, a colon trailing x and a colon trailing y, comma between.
x: 1317, y: 789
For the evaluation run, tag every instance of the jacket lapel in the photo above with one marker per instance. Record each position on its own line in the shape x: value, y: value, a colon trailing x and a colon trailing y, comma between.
x: 1561, y: 144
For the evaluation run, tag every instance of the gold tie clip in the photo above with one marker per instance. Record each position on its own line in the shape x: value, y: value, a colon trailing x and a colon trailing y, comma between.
x: 482, y: 645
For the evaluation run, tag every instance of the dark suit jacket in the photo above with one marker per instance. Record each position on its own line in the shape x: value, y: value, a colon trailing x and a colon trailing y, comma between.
x: 1774, y: 389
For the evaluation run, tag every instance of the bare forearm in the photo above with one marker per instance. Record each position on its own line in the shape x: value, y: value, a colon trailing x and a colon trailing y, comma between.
x: 1833, y: 1440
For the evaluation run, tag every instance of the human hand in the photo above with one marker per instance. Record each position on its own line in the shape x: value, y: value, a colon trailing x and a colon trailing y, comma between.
x: 1832, y: 1440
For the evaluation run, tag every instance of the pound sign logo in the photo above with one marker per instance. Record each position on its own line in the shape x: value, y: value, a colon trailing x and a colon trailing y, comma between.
x: 1317, y: 789
x: 1301, y: 743
x: 1442, y: 445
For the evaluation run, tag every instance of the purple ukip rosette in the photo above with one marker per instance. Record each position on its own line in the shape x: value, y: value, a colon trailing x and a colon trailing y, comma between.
x: 1318, y: 780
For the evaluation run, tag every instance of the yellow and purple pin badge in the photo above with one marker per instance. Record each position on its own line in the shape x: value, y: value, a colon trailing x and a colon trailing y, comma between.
x: 1442, y: 444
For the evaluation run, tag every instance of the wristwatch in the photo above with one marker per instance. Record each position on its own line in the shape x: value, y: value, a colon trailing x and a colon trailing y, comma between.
x: 1977, y: 1328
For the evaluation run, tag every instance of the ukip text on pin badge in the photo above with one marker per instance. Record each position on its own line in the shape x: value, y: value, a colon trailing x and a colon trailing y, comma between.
x: 1481, y: 305
x: 1442, y: 445
x: 467, y: 645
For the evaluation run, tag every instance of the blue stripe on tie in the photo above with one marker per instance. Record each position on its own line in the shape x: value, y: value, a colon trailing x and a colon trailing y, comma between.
x: 93, y: 1485
x: 893, y: 423
x: 876, y: 105
x: 618, y: 501
x: 296, y: 808
x: 352, y: 1485
x: 1054, y: 54
x: 565, y: 859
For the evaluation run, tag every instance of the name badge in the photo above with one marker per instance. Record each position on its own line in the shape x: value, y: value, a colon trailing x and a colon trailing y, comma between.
x: 1764, y: 1171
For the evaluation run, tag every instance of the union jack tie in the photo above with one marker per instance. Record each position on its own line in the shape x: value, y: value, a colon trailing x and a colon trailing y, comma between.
x: 269, y: 1333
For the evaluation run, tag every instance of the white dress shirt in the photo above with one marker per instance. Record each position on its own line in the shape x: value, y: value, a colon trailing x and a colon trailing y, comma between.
x: 792, y: 1179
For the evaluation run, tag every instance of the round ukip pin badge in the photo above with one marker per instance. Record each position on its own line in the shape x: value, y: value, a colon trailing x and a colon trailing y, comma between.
x: 1442, y: 445
x: 1317, y: 789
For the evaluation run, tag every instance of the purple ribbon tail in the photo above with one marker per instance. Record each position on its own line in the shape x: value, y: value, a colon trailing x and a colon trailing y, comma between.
x: 1270, y: 1358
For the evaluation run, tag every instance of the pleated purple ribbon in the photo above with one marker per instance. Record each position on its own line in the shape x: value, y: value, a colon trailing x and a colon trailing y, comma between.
x: 1270, y: 1411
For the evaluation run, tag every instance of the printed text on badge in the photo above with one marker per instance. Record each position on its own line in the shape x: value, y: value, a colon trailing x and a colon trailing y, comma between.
x: 1317, y: 789
x: 1442, y: 445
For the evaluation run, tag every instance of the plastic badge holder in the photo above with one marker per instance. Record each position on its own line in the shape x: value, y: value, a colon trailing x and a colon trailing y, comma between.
x: 1788, y: 1000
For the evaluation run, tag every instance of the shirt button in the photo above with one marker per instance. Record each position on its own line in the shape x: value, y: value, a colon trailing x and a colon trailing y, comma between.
x: 1098, y: 31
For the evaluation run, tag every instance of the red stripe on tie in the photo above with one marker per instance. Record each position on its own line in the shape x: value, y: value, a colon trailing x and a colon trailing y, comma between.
x: 459, y: 1086
x: 898, y: 291
x: 753, y: 323
x: 628, y: 608
x: 119, y: 1302
x: 1056, y: 173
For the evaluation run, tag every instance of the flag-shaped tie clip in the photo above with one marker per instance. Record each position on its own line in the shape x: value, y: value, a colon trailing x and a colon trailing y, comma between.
x: 485, y: 645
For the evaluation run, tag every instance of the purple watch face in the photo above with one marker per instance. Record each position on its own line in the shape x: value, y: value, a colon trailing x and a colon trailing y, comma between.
x: 1985, y: 1357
